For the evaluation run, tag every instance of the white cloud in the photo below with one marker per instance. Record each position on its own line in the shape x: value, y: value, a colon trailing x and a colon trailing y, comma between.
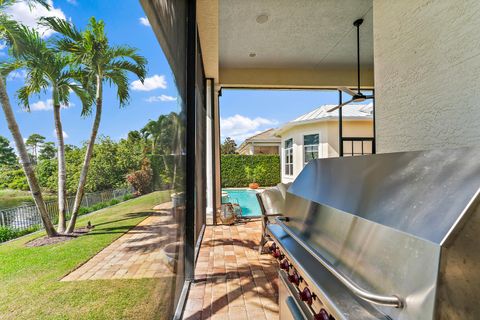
x: 74, y: 2
x: 65, y: 135
x: 29, y: 16
x: 18, y: 74
x: 161, y: 98
x: 150, y: 83
x: 144, y: 21
x: 47, y: 105
x: 239, y: 127
x: 3, y: 45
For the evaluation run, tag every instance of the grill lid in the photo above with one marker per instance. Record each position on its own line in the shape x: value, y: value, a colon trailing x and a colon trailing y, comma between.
x: 422, y: 193
x: 402, y: 224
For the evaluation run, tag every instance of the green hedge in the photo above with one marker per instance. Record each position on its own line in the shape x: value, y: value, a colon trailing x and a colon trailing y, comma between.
x: 234, y: 174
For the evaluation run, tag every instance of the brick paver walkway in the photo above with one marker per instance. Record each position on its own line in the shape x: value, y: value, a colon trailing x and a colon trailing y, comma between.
x: 232, y: 280
x: 136, y: 254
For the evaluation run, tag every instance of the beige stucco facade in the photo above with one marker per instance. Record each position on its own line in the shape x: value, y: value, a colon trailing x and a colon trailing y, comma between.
x: 425, y: 62
x: 259, y: 148
x: 427, y: 67
x: 328, y: 140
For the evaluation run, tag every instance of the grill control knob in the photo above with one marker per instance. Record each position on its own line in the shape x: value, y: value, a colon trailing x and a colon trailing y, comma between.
x: 285, y: 265
x: 294, y: 278
x: 273, y: 247
x: 322, y: 315
x: 306, y: 296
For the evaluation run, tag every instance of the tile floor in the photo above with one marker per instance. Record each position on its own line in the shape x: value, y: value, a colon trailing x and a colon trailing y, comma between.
x: 137, y: 254
x: 232, y: 280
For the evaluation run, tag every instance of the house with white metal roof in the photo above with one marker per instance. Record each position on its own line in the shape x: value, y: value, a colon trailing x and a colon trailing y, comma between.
x: 319, y: 134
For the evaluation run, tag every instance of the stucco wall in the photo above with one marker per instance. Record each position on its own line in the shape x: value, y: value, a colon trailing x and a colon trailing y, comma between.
x: 328, y: 132
x: 427, y: 73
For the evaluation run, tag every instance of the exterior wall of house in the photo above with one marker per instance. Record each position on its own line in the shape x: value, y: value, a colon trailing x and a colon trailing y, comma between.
x: 262, y: 149
x: 427, y: 74
x: 328, y: 141
x: 259, y: 148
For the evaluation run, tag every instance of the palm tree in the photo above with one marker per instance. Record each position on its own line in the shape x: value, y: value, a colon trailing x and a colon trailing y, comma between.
x: 9, y: 31
x: 98, y: 62
x: 48, y: 69
x: 152, y: 130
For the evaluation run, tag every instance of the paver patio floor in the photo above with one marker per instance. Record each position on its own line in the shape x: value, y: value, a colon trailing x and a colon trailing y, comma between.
x: 232, y: 280
x: 136, y: 254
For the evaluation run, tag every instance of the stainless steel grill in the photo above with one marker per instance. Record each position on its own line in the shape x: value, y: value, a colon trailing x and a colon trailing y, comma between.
x: 389, y: 236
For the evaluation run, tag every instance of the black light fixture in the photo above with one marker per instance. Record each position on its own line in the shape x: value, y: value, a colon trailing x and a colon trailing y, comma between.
x: 356, y: 96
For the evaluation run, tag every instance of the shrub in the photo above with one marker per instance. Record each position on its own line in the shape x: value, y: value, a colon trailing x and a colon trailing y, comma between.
x: 99, y: 206
x: 8, y: 233
x: 84, y: 210
x: 141, y: 180
x: 13, y: 179
x: 127, y: 197
x: 265, y: 169
x: 113, y: 202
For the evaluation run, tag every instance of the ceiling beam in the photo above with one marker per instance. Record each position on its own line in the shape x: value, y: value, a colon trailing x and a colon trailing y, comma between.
x: 295, y: 78
x: 207, y: 21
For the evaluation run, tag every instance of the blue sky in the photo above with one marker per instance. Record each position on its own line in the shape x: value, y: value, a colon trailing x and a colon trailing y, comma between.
x: 243, y: 112
x: 123, y: 26
x: 247, y: 112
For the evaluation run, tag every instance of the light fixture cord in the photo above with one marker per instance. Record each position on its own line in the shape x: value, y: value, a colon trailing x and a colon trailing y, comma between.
x: 358, y: 58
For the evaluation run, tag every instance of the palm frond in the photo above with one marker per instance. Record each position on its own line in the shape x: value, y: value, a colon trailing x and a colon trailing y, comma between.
x: 24, y: 93
x: 31, y: 3
x: 62, y: 26
x: 7, y: 67
x: 138, y: 69
x: 127, y: 52
x: 120, y: 80
x: 85, y: 97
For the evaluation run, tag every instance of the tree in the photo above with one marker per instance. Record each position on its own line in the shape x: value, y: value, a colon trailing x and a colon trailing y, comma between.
x: 48, y: 151
x: 47, y: 68
x: 34, y: 141
x: 9, y: 32
x: 152, y: 130
x: 229, y: 146
x: 7, y: 155
x: 98, y: 62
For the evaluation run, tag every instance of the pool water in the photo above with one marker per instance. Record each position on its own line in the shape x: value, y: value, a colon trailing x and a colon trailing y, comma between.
x: 247, y: 200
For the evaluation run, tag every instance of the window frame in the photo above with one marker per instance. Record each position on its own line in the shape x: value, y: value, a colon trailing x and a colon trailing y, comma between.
x: 286, y: 153
x: 311, y: 145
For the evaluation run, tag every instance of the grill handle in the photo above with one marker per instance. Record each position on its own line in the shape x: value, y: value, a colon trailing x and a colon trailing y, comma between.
x: 391, y: 301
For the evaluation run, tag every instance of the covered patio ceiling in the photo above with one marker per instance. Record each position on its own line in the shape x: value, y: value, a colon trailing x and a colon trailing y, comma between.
x: 283, y: 43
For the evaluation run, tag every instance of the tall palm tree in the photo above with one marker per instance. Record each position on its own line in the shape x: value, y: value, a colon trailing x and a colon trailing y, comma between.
x: 49, y: 69
x: 99, y: 63
x: 152, y: 130
x: 9, y: 32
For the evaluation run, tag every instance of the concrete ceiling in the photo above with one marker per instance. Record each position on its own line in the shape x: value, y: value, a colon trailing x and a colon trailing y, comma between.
x: 299, y: 34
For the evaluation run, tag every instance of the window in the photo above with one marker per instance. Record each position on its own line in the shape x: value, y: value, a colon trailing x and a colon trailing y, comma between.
x: 310, y: 147
x: 289, y: 157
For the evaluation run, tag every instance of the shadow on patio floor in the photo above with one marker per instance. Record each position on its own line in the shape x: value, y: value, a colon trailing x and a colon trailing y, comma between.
x: 232, y: 280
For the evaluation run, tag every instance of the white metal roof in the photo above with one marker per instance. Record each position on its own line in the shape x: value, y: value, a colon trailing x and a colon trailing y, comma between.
x: 349, y: 112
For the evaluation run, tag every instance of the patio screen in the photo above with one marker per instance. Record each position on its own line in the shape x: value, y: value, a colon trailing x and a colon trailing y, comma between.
x: 169, y: 23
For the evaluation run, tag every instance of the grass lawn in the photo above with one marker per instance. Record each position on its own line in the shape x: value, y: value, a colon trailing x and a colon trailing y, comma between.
x: 29, y: 277
x: 14, y: 198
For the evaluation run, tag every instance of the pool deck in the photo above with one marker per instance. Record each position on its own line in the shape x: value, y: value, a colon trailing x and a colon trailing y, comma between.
x: 232, y: 281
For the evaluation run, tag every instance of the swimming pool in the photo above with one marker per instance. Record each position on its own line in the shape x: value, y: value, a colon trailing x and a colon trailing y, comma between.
x: 247, y: 200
